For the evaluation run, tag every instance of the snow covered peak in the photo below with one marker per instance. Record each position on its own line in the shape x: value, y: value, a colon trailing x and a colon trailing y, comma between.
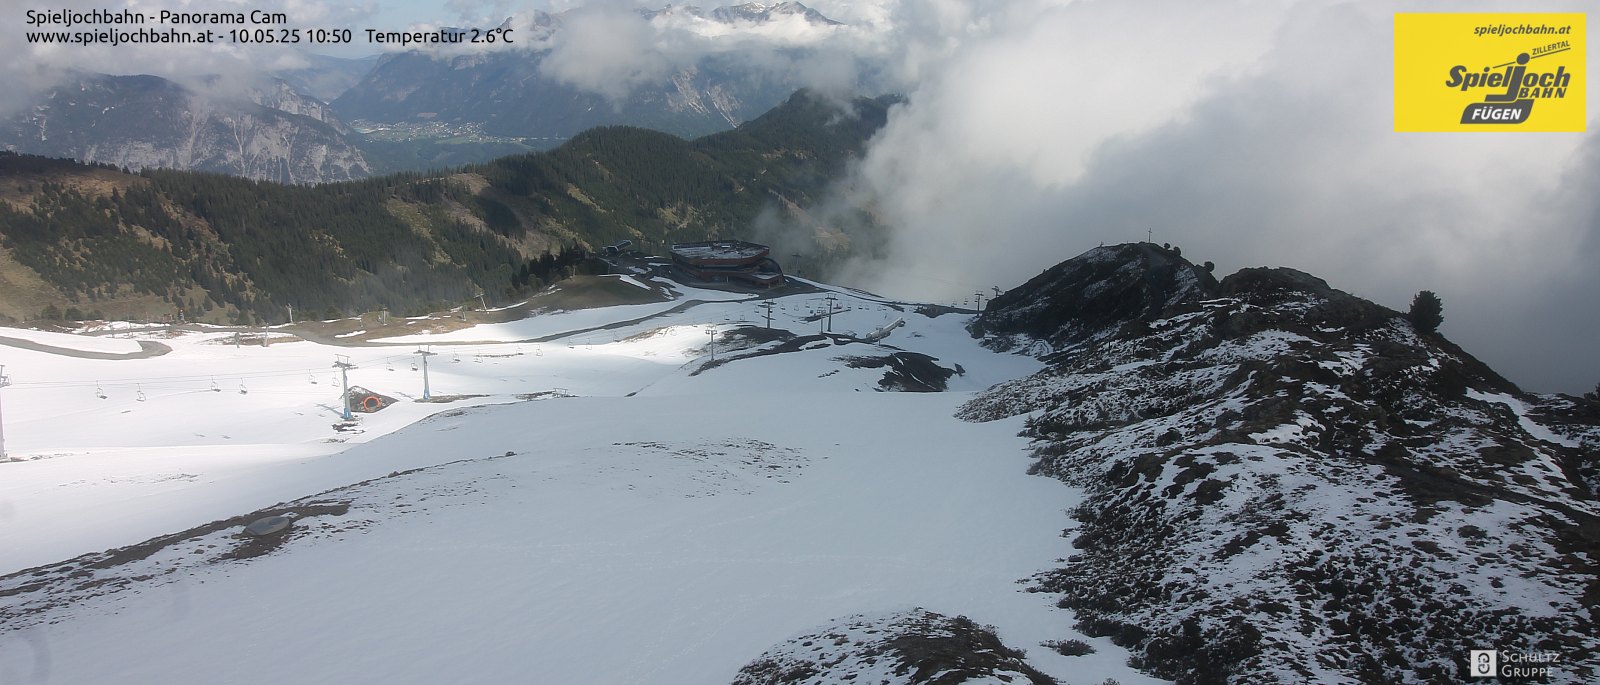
x: 752, y: 13
x: 1094, y: 295
x: 1275, y: 468
x: 760, y: 13
x: 902, y: 648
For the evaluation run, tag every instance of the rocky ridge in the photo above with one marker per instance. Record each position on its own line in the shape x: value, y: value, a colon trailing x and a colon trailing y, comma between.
x: 271, y: 133
x: 1287, y: 483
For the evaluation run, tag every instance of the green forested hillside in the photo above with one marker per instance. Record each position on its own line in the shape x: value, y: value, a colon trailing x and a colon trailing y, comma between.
x: 222, y: 248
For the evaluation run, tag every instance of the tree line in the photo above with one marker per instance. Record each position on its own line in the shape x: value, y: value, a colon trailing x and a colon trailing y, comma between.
x: 217, y: 246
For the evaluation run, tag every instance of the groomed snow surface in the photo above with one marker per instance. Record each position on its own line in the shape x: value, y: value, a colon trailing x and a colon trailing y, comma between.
x: 595, y: 512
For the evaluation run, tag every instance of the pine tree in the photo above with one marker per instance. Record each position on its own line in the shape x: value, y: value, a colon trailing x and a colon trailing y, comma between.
x: 1427, y: 312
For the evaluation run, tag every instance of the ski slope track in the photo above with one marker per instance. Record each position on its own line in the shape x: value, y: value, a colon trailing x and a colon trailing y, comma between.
x: 610, y: 506
x: 1124, y: 470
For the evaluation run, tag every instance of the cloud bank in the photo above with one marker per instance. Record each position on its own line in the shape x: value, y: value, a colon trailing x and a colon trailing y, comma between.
x: 1249, y: 133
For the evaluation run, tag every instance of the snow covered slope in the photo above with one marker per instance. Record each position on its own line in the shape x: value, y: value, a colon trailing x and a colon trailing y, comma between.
x: 1258, y: 480
x: 916, y: 646
x: 1285, y: 483
x: 607, y: 506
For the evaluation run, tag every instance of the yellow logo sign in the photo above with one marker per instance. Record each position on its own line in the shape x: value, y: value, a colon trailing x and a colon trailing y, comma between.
x: 1489, y: 72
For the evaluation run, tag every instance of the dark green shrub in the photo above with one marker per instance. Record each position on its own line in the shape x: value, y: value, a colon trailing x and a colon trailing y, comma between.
x: 1427, y: 312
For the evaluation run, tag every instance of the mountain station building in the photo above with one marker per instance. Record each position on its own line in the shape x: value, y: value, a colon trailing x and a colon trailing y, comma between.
x: 728, y: 261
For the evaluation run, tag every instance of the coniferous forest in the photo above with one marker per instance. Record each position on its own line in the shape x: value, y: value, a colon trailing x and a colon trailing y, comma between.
x: 227, y: 249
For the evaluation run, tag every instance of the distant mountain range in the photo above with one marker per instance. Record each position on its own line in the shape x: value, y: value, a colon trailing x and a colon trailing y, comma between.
x: 326, y: 78
x: 269, y: 132
x: 750, y: 13
x: 230, y: 250
x: 510, y: 94
x: 419, y: 111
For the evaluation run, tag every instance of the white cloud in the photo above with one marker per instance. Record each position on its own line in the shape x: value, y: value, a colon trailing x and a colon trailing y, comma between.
x: 1251, y: 134
x: 607, y: 50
